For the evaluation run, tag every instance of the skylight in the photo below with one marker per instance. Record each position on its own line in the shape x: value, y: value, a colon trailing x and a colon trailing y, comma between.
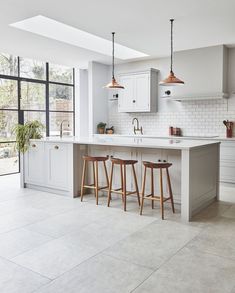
x: 59, y: 31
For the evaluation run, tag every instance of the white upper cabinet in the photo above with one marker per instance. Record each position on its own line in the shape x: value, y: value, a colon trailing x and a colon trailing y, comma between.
x: 140, y: 91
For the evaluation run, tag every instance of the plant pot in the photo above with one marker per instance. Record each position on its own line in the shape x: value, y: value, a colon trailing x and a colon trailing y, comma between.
x: 101, y: 130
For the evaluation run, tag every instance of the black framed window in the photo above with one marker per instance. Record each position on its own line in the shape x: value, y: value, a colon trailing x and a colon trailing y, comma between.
x: 32, y: 90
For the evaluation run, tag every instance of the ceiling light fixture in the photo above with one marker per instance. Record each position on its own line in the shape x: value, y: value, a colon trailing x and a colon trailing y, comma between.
x: 113, y: 84
x: 171, y: 80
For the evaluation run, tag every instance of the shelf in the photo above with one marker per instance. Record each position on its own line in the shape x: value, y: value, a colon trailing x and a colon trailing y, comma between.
x: 213, y: 96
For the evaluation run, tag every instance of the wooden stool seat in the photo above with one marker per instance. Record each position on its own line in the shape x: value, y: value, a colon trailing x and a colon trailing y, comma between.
x: 161, y: 166
x: 158, y: 165
x: 122, y: 190
x: 95, y: 185
x: 94, y: 159
x: 123, y: 162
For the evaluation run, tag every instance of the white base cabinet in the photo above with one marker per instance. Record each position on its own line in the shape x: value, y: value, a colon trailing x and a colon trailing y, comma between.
x: 34, y: 163
x: 227, y: 170
x: 51, y: 167
x: 143, y: 154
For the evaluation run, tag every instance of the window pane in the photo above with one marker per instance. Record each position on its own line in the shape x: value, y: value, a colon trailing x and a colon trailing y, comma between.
x: 9, y: 160
x: 60, y: 73
x: 32, y: 69
x: 61, y: 97
x: 55, y: 120
x: 8, y: 64
x: 32, y: 116
x: 33, y: 96
x: 8, y: 119
x: 8, y: 94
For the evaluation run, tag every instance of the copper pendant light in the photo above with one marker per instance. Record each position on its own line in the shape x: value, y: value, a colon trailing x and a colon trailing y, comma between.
x: 171, y: 80
x: 113, y: 84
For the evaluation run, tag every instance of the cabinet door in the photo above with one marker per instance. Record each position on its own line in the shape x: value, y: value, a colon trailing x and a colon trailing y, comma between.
x: 58, y: 169
x: 34, y: 163
x: 126, y: 101
x: 142, y: 92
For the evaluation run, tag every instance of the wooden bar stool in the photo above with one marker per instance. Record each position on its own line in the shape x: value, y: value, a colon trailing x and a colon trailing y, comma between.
x: 122, y: 190
x: 95, y: 185
x: 151, y: 196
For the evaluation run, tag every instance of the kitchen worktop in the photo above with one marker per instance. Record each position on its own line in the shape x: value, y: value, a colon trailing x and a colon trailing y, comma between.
x: 188, y: 137
x: 137, y: 141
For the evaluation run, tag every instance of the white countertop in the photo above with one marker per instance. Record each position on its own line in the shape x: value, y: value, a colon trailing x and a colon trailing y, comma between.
x: 137, y: 141
x: 188, y: 137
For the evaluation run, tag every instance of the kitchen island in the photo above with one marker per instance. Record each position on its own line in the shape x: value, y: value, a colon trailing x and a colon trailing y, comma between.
x: 55, y: 164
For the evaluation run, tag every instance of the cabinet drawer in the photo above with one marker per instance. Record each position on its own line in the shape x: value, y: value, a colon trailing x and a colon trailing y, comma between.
x: 227, y: 171
x: 227, y: 151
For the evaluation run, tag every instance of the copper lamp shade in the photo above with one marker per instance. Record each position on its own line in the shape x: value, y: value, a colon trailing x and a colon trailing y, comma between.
x: 113, y: 84
x: 171, y: 80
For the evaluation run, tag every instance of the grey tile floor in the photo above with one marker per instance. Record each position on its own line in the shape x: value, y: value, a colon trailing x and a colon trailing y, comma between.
x: 53, y: 244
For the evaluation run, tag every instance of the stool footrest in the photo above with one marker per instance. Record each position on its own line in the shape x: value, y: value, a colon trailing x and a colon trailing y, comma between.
x: 156, y: 197
x: 118, y: 190
x: 92, y: 186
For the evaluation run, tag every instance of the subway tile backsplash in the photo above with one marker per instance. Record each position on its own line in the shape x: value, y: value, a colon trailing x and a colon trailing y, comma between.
x: 202, y: 118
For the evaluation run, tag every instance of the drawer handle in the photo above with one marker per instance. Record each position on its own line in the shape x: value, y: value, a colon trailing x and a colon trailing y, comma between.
x: 33, y: 145
x: 56, y: 147
x: 133, y: 101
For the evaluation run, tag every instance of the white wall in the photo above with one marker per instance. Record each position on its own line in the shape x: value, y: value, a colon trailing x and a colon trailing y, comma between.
x: 195, y: 117
x: 81, y: 102
x: 98, y: 77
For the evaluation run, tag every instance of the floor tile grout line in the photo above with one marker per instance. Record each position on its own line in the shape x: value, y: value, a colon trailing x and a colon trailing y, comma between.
x: 132, y: 291
x: 103, y: 252
x: 27, y: 269
x: 211, y: 253
x: 88, y: 259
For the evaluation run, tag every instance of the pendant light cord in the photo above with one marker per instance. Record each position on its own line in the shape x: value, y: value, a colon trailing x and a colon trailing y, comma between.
x: 171, y: 20
x: 113, y: 55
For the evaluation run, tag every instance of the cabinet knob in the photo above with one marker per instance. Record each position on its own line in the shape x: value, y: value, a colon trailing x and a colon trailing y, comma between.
x: 56, y: 147
x: 33, y: 145
x: 133, y: 101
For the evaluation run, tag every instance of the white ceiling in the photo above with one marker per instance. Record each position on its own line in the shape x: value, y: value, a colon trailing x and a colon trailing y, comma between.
x: 140, y: 25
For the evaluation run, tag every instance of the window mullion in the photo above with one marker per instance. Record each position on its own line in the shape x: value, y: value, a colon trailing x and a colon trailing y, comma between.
x: 47, y: 101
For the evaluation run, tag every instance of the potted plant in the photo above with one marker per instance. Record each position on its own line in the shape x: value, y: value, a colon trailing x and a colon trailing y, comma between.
x: 30, y: 130
x: 101, y: 127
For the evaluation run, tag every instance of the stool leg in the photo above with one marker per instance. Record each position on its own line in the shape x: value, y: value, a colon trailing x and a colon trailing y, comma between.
x: 93, y: 166
x: 170, y: 190
x: 152, y: 187
x: 124, y: 186
x: 96, y: 182
x: 106, y: 173
x: 143, y: 190
x: 110, y: 185
x: 136, y: 184
x: 161, y: 195
x: 83, y: 179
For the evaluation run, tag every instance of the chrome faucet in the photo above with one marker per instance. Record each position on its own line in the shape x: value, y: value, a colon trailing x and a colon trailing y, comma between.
x: 137, y: 128
x: 61, y: 127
